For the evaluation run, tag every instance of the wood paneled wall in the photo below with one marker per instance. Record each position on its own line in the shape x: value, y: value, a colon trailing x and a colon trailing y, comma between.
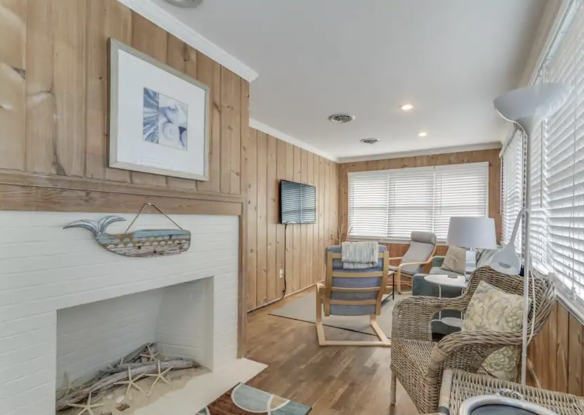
x: 557, y: 354
x: 298, y: 250
x: 490, y: 156
x: 54, y: 94
x: 54, y: 126
x: 54, y: 117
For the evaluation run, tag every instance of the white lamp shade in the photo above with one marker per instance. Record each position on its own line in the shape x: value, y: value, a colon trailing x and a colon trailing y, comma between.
x: 472, y: 232
x: 528, y: 106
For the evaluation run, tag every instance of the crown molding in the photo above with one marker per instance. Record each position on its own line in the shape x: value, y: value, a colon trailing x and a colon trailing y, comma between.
x: 285, y: 137
x: 429, y: 152
x: 172, y: 25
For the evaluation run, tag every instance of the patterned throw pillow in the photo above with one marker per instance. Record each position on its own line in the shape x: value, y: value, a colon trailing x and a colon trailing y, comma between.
x: 495, y: 310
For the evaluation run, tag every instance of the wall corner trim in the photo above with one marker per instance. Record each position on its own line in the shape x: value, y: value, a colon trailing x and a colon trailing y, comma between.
x: 159, y: 16
x: 285, y: 137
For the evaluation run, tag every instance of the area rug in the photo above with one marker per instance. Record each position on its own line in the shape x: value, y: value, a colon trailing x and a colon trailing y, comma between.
x: 244, y: 399
x: 304, y: 309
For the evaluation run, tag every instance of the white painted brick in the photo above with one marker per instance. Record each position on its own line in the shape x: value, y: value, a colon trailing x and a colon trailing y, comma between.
x: 32, y: 402
x: 183, y: 321
x: 106, y: 305
x: 91, y: 336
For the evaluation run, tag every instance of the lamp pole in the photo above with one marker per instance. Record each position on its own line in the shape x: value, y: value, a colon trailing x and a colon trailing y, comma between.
x: 527, y: 266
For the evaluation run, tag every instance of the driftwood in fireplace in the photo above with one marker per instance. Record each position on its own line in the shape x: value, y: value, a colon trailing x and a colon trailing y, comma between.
x: 141, y: 362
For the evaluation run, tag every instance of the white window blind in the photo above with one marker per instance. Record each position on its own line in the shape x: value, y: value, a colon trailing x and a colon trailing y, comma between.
x: 557, y: 160
x: 512, y: 188
x: 369, y: 204
x: 390, y: 204
x: 538, y: 199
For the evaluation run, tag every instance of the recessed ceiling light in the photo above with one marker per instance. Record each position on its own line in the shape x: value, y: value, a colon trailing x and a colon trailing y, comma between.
x: 422, y: 134
x: 369, y: 140
x: 407, y: 107
x: 341, y: 118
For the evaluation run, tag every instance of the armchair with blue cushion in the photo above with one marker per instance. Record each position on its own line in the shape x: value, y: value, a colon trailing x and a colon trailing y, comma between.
x: 421, y: 287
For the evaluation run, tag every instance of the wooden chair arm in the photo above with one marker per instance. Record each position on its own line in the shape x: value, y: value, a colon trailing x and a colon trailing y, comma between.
x: 400, y: 266
x: 394, y: 258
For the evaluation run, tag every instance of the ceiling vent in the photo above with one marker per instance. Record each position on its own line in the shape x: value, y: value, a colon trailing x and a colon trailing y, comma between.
x: 369, y: 140
x: 185, y: 3
x: 341, y: 118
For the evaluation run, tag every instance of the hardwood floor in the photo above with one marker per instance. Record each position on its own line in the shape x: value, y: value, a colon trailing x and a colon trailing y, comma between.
x: 333, y: 380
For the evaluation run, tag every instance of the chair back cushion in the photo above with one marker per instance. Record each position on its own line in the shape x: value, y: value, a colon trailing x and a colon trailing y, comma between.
x: 491, y: 309
x: 354, y: 310
x: 420, y: 250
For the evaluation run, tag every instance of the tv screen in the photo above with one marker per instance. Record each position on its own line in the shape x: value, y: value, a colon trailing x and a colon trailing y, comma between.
x: 297, y: 203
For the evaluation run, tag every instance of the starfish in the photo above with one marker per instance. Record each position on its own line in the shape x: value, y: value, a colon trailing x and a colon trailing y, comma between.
x: 151, y: 355
x: 116, y: 365
x: 87, y: 407
x: 159, y: 376
x: 131, y: 383
x: 68, y: 385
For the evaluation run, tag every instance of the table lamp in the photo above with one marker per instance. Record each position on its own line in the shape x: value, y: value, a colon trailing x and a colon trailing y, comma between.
x: 472, y: 232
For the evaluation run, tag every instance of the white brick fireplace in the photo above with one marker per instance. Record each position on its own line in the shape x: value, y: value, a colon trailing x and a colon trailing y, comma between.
x: 69, y: 305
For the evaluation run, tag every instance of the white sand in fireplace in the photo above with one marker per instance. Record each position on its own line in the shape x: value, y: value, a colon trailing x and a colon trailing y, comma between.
x: 136, y: 399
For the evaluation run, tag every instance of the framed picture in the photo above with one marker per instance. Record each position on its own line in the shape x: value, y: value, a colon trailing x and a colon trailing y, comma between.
x: 159, y: 117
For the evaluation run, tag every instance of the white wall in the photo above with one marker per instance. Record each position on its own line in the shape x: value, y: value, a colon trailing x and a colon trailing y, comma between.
x: 91, y: 336
x: 184, y: 322
x: 179, y: 319
x: 44, y: 268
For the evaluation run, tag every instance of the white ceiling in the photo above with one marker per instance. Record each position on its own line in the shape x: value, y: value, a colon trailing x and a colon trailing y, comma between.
x: 449, y: 58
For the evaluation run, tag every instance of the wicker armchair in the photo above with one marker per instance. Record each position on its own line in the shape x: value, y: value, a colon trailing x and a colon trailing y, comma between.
x: 418, y: 362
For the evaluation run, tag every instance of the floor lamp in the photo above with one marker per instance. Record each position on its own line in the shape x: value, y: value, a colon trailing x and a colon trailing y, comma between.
x: 527, y: 108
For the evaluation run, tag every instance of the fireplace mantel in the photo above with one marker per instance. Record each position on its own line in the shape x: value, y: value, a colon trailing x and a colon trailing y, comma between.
x: 46, y: 269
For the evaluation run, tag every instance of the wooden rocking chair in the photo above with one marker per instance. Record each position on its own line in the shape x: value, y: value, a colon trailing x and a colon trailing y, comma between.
x: 354, y: 292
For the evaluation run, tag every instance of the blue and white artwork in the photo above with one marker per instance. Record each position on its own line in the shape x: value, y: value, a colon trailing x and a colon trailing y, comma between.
x: 164, y: 120
x: 159, y: 117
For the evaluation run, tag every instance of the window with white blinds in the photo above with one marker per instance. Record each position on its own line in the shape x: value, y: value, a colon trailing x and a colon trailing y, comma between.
x: 557, y: 162
x: 390, y: 204
x: 512, y: 188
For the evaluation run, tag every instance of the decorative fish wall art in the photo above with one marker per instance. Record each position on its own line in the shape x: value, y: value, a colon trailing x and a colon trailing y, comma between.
x: 142, y: 243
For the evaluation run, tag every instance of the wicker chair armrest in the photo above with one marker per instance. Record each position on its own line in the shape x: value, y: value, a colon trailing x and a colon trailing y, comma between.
x: 412, y: 317
x: 467, y: 350
x: 455, y: 341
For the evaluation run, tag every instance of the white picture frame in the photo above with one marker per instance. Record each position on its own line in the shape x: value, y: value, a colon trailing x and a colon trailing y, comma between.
x: 158, y: 117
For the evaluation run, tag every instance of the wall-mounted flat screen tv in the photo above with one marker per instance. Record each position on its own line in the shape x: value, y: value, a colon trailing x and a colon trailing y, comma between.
x: 297, y: 203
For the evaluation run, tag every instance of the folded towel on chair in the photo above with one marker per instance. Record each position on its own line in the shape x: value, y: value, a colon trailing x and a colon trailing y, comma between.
x: 359, y: 255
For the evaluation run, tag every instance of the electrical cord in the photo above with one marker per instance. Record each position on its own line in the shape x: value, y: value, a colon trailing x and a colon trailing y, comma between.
x: 285, y: 275
x: 284, y: 264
